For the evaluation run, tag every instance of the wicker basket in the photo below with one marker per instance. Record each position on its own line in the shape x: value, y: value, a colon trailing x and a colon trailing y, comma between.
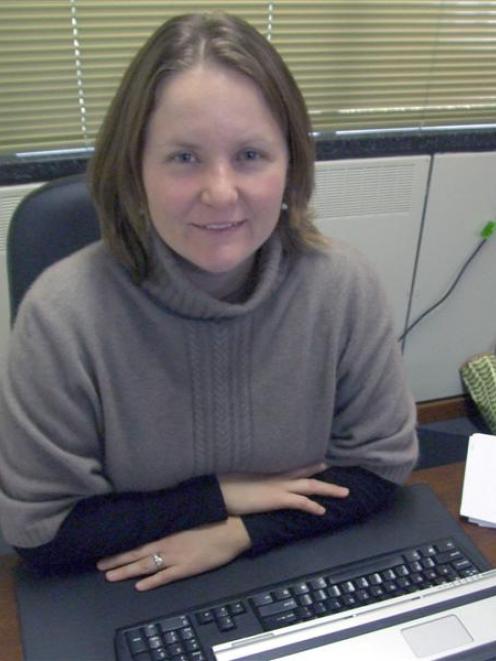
x: 479, y: 376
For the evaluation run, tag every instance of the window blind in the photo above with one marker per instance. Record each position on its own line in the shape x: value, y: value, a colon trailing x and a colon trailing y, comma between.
x: 362, y: 64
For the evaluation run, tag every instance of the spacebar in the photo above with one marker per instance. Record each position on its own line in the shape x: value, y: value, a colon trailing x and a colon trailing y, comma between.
x: 379, y: 564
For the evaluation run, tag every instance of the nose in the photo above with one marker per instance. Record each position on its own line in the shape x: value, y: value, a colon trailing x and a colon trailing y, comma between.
x: 219, y: 188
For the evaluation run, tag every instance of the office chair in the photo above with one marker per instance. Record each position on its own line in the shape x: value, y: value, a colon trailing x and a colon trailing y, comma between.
x: 50, y: 223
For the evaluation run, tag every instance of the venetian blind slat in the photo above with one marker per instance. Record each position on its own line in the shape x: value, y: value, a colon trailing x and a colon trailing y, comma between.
x: 362, y: 64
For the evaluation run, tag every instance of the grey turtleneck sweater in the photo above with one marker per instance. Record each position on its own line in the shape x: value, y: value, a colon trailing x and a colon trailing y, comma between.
x: 127, y: 401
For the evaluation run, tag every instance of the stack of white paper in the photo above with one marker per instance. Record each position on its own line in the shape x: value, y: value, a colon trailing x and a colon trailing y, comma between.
x: 479, y: 483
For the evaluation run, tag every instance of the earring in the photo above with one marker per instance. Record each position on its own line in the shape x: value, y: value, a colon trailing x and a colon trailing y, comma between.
x: 284, y: 206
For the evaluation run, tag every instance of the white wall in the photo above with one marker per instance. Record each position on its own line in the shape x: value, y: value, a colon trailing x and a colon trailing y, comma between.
x: 377, y: 206
x: 462, y: 198
x: 401, y: 212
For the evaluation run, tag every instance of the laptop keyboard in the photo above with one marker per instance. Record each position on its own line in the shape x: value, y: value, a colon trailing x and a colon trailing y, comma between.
x: 189, y: 636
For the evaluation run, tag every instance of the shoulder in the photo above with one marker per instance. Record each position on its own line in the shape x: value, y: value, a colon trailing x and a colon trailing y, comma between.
x: 339, y: 268
x: 70, y: 286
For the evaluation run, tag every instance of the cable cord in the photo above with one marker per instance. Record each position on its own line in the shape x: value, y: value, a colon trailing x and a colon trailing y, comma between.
x: 486, y: 233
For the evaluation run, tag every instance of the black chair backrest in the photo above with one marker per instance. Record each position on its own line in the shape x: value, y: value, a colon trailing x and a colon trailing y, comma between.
x: 50, y: 223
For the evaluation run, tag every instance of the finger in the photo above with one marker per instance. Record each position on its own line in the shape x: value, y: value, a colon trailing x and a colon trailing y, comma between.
x: 163, y: 577
x: 307, y: 505
x: 141, y: 567
x: 113, y: 561
x: 311, y: 487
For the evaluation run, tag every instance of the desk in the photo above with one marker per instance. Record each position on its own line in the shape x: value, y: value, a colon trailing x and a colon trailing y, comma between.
x: 445, y: 481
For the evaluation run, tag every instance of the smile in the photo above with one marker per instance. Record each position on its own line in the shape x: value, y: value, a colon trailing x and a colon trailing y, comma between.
x: 220, y: 227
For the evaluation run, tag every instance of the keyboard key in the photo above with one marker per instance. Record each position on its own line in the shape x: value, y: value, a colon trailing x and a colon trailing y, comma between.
x: 282, y: 593
x: 448, y: 556
x: 159, y: 655
x: 136, y: 641
x: 155, y: 642
x: 279, y: 620
x: 187, y: 633
x: 402, y: 570
x: 445, y: 570
x: 318, y: 583
x: 301, y: 588
x: 197, y: 656
x: 427, y: 550
x: 470, y: 571
x: 374, y: 579
x: 362, y: 596
x: 411, y: 556
x: 151, y: 630
x: 333, y: 591
x: 304, y: 613
x: 319, y: 595
x: 262, y: 598
x: 376, y: 591
x: 445, y: 545
x: 205, y: 616
x: 305, y: 600
x: 237, y: 608
x: 174, y: 649
x: 277, y: 607
x: 347, y: 587
x: 225, y: 623
x: 191, y: 646
x: 333, y: 605
x: 221, y: 611
x: 320, y: 609
x: 171, y: 637
x: 171, y: 623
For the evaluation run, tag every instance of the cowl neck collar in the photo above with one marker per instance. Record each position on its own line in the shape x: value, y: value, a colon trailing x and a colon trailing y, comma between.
x: 170, y: 287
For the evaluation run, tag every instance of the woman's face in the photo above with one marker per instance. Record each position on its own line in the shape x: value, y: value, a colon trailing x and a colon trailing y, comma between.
x: 214, y: 167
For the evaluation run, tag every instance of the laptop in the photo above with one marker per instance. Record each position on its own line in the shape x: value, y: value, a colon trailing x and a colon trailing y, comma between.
x: 454, y: 620
x: 84, y: 618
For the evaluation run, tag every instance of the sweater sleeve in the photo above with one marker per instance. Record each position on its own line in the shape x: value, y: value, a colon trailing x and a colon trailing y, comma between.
x: 368, y: 493
x: 374, y: 413
x: 58, y: 502
x: 107, y: 524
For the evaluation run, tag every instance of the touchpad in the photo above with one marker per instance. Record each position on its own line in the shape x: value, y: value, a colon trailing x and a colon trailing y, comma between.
x: 436, y: 636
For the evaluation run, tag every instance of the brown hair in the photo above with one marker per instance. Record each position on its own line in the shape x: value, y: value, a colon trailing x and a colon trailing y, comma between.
x: 116, y: 168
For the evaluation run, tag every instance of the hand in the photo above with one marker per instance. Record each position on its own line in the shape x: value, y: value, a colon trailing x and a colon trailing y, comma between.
x: 185, y: 553
x: 247, y: 494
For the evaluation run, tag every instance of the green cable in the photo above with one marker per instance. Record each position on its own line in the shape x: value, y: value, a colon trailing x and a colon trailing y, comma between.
x: 488, y: 229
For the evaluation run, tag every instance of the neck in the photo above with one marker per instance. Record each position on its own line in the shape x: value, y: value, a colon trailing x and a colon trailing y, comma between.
x: 230, y: 285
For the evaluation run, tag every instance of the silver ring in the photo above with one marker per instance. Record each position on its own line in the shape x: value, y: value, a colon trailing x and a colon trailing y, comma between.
x: 158, y: 561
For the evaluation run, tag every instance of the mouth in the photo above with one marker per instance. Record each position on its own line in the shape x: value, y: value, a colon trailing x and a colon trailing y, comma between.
x: 220, y: 227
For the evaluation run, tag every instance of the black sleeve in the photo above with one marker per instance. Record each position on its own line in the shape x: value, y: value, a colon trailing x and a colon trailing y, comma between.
x: 112, y: 523
x: 368, y: 492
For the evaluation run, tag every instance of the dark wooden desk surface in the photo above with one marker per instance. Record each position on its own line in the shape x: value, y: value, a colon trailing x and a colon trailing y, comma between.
x: 446, y: 482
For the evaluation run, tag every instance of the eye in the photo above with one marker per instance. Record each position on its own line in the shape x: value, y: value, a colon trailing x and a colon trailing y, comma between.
x: 250, y: 155
x: 183, y: 157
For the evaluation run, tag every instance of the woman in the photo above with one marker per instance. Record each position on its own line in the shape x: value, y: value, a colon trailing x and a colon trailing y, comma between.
x: 213, y: 378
